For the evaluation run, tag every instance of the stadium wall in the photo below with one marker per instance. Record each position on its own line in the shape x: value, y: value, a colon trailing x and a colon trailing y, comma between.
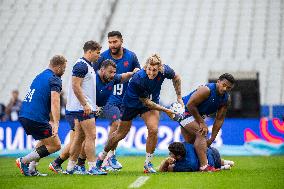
x: 236, y: 137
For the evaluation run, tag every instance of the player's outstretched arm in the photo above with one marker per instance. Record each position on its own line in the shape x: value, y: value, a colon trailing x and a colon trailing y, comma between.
x: 177, y: 85
x: 55, y: 111
x: 219, y: 120
x: 154, y: 106
x: 126, y: 76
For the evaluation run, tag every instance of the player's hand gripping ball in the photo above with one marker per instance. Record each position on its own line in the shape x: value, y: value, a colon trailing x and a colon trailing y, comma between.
x: 177, y: 108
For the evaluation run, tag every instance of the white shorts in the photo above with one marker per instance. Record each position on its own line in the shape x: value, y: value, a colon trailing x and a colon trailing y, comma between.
x: 188, y: 119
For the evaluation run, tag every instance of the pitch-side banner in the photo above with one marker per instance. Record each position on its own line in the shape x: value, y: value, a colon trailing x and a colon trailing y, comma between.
x: 234, y: 132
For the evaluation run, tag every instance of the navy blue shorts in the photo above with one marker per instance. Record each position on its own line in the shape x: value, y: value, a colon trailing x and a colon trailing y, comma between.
x: 112, y: 112
x: 80, y: 115
x: 130, y: 113
x: 214, y: 158
x: 36, y: 129
x: 71, y: 120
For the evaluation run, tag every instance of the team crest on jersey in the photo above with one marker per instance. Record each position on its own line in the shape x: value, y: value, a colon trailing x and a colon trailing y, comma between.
x: 159, y: 78
x: 109, y: 88
x: 125, y: 63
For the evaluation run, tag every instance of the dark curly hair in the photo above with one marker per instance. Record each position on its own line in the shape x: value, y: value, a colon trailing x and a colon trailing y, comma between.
x: 227, y: 76
x: 177, y: 148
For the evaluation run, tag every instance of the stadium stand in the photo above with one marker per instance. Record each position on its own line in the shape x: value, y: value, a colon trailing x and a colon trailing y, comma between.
x: 193, y: 36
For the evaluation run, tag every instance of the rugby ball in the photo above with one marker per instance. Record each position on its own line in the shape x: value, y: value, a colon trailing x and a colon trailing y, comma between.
x: 177, y: 108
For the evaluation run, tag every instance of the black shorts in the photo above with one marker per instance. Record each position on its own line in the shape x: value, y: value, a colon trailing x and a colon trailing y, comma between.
x: 130, y: 113
x: 36, y: 129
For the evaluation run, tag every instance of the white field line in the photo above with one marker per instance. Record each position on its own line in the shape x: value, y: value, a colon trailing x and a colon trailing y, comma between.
x: 139, y: 182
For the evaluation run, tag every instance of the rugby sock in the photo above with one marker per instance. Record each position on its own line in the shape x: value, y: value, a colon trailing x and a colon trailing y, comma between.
x: 33, y: 156
x: 149, y: 157
x: 91, y: 165
x: 71, y: 165
x: 228, y: 162
x: 32, y: 166
x: 81, y: 161
x: 59, y: 161
x: 110, y: 153
x: 203, y: 167
x: 102, y: 155
x: 226, y: 167
x: 42, y: 151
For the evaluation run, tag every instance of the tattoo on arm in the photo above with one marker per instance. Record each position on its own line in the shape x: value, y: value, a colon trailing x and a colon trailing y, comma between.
x: 177, y: 85
x: 152, y: 105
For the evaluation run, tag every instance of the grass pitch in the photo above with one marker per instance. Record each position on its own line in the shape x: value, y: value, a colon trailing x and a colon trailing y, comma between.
x: 249, y: 172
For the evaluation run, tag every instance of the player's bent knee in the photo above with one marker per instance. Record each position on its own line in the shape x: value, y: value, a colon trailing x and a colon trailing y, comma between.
x: 153, y: 131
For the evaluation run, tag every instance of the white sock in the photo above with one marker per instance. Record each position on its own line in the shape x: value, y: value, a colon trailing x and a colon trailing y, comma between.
x: 110, y: 153
x: 149, y: 157
x: 32, y: 166
x: 71, y: 165
x: 33, y: 156
x: 228, y: 162
x: 203, y: 167
x: 91, y: 165
x: 102, y: 155
x: 226, y: 167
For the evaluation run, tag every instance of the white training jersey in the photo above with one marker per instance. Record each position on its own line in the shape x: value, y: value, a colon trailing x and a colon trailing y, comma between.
x: 88, y: 88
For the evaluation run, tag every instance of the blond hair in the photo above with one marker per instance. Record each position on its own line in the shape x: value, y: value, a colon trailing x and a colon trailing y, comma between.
x: 154, y: 60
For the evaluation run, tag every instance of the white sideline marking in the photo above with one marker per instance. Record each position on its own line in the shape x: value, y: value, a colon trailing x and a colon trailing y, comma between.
x: 139, y: 182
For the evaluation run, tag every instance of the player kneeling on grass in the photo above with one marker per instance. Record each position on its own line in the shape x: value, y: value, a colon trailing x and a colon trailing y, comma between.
x: 183, y: 158
x: 42, y: 100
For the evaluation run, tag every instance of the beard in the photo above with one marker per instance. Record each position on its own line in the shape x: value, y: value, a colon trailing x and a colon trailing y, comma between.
x: 107, y: 79
x: 116, y: 50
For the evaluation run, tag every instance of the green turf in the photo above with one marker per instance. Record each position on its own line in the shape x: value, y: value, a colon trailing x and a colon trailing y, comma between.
x: 249, y: 172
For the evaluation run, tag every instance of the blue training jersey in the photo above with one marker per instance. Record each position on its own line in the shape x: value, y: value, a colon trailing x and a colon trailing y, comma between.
x: 127, y: 63
x: 212, y: 103
x: 36, y: 105
x: 140, y: 86
x: 104, y: 90
x: 190, y: 162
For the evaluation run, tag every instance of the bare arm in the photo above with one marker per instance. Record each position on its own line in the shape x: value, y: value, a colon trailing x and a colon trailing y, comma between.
x: 55, y: 111
x: 164, y: 166
x: 219, y: 120
x: 76, y: 86
x: 167, y: 165
x: 126, y: 76
x: 201, y: 94
x: 152, y: 105
x: 177, y: 85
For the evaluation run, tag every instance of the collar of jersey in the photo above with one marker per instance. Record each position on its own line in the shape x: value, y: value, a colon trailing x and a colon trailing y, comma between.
x: 90, y: 63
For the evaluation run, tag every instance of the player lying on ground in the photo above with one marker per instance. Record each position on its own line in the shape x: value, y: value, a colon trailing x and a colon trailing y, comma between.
x: 40, y: 115
x: 142, y: 98
x: 183, y: 158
